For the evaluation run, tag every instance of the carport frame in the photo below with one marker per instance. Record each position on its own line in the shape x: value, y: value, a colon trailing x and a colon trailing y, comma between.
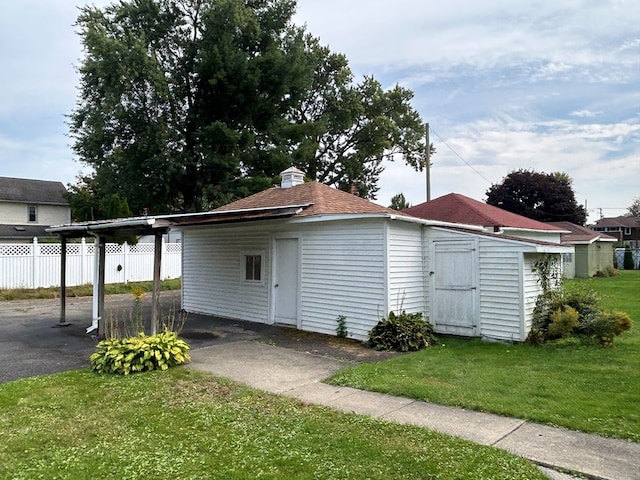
x: 148, y: 225
x: 101, y: 230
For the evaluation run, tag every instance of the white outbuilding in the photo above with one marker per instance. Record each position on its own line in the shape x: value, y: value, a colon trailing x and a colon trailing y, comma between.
x: 302, y: 254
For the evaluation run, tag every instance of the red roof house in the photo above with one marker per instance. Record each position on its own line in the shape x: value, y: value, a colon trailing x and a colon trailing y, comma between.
x: 457, y: 208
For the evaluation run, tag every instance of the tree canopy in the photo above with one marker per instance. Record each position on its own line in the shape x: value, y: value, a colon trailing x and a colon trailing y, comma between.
x: 634, y: 208
x: 547, y: 197
x: 398, y: 202
x: 185, y: 105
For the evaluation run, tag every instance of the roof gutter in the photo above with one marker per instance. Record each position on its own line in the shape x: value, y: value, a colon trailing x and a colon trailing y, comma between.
x: 435, y: 223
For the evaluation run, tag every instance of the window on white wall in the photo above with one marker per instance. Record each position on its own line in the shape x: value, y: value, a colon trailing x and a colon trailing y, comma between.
x: 33, y: 213
x: 252, y: 267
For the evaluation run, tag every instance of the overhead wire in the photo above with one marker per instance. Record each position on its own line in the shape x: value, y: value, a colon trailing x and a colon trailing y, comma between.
x: 460, y: 157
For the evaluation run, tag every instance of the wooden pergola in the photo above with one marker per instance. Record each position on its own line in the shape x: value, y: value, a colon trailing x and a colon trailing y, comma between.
x: 149, y: 225
x: 101, y: 230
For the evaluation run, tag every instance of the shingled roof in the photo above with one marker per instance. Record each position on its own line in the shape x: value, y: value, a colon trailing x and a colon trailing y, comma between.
x: 622, y: 221
x: 457, y: 208
x: 22, y: 190
x: 319, y: 199
x: 581, y: 234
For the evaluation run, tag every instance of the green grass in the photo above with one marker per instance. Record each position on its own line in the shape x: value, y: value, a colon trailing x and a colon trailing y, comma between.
x: 586, y: 388
x: 189, y: 425
x: 84, y: 290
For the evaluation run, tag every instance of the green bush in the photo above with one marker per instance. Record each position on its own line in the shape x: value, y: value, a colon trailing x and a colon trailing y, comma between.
x: 628, y: 259
x: 341, y: 329
x: 138, y: 354
x: 403, y: 333
x: 621, y: 321
x: 598, y: 329
x: 563, y: 321
x: 575, y: 311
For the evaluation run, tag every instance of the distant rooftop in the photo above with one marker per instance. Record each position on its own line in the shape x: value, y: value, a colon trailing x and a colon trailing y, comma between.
x: 457, y: 208
x: 23, y: 190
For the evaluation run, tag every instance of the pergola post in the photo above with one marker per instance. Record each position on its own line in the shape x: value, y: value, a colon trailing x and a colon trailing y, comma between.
x: 155, y: 300
x: 63, y: 281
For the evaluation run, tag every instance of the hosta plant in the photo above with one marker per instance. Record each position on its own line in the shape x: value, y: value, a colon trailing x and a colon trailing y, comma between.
x: 139, y: 354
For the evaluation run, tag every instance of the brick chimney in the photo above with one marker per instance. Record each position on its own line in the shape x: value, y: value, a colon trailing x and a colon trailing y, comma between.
x: 291, y: 177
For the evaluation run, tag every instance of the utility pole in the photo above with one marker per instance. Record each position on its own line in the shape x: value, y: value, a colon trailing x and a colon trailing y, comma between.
x: 427, y: 166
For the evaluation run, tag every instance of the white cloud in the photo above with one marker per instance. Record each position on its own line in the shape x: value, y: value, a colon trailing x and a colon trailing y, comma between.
x: 584, y: 113
x: 546, y: 85
x: 496, y: 147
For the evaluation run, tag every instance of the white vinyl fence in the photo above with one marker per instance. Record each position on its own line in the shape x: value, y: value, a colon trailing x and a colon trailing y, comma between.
x: 35, y: 265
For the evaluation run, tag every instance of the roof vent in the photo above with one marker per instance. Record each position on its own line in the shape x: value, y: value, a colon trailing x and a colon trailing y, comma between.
x: 291, y: 177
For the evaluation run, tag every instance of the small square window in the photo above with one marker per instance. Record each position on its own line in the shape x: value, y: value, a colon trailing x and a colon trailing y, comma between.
x: 33, y: 213
x: 253, y: 268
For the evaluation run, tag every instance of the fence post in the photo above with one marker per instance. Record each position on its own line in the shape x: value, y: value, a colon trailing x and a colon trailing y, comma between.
x: 83, y: 252
x: 125, y: 261
x: 36, y: 267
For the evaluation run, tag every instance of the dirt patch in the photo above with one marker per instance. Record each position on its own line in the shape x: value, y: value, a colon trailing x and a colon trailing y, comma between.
x: 204, y: 330
x: 323, y: 345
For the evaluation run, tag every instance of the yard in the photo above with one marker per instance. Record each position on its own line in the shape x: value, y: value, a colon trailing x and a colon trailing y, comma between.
x: 586, y: 388
x: 184, y: 424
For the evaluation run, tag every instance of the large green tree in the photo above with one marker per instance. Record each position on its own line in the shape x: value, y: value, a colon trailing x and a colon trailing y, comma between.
x: 399, y: 202
x: 184, y: 105
x: 634, y: 208
x: 547, y: 197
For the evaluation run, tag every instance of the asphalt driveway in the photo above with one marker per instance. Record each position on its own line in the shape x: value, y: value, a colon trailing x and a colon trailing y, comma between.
x: 32, y: 343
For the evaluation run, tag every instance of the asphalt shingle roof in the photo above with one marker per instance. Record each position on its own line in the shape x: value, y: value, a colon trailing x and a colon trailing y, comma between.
x: 324, y: 200
x: 457, y: 208
x: 622, y: 221
x: 580, y: 234
x: 24, y: 190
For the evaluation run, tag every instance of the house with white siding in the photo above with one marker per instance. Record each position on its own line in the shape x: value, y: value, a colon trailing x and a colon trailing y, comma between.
x: 302, y: 254
x: 28, y: 207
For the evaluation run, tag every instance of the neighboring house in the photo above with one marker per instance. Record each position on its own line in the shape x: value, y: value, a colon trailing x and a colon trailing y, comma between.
x: 593, y: 250
x: 625, y: 229
x: 304, y: 253
x: 457, y: 208
x: 28, y: 207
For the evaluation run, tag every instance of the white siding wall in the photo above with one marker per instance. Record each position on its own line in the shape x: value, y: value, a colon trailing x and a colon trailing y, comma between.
x: 18, y: 214
x: 213, y: 281
x: 500, y: 290
x: 406, y: 270
x: 343, y: 273
x: 508, y: 288
x: 537, y: 236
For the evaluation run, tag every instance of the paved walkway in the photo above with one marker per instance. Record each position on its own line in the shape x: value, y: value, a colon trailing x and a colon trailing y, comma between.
x: 299, y: 375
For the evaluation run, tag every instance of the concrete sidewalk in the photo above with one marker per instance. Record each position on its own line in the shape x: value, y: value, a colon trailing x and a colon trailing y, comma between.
x: 299, y: 375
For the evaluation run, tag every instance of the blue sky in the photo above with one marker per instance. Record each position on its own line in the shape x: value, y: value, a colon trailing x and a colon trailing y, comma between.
x: 545, y: 85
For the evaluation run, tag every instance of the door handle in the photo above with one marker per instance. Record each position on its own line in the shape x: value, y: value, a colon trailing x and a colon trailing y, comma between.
x: 276, y: 285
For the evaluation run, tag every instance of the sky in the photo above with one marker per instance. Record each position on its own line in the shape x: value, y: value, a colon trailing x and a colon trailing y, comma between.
x: 545, y: 85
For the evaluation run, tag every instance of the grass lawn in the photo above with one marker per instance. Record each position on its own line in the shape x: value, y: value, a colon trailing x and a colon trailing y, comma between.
x: 85, y: 290
x: 586, y: 388
x: 190, y: 425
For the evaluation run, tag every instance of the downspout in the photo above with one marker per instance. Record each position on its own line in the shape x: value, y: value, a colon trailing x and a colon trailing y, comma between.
x: 98, y: 284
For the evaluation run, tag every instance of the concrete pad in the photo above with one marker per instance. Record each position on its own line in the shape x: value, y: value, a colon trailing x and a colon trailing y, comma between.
x: 263, y: 366
x: 483, y: 428
x: 592, y: 455
x: 350, y: 400
x: 320, y: 393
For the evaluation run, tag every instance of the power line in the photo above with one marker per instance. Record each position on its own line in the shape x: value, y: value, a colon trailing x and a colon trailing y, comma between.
x: 458, y: 155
